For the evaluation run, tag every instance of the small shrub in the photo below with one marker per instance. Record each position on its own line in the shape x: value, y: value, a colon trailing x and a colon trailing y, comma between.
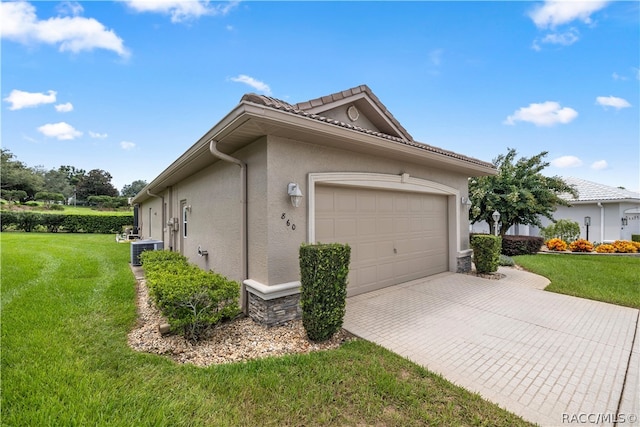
x: 506, y: 261
x: 557, y: 244
x: 521, y: 245
x: 581, y: 245
x: 564, y: 229
x: 635, y: 238
x: 190, y: 298
x: 323, y: 275
x: 624, y: 247
x: 486, y: 252
x: 605, y: 249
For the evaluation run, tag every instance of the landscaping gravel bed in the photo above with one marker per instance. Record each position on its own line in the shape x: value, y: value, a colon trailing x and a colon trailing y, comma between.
x: 233, y: 341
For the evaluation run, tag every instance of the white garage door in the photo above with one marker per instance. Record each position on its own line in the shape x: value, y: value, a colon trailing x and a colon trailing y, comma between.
x: 394, y: 236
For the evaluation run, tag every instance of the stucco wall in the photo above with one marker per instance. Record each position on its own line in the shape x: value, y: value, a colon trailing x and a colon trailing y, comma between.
x: 150, y: 219
x: 292, y: 161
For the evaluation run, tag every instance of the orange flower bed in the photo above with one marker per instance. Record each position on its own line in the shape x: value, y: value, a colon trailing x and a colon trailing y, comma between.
x: 556, y: 244
x: 581, y: 245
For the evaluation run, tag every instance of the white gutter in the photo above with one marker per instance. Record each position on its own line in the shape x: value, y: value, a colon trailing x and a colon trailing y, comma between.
x: 601, y: 222
x: 213, y: 148
x: 161, y: 210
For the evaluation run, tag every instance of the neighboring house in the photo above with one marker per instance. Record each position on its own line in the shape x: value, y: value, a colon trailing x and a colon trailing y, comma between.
x: 226, y: 202
x: 614, y: 213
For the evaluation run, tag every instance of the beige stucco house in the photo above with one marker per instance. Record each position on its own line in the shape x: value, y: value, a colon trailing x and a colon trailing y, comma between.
x: 227, y: 204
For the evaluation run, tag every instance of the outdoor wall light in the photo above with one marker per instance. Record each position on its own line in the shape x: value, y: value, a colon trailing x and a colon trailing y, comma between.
x: 465, y: 201
x: 496, y: 217
x: 624, y: 221
x: 294, y: 192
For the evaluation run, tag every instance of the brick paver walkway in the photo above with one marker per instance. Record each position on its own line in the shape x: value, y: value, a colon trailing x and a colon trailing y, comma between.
x: 552, y: 359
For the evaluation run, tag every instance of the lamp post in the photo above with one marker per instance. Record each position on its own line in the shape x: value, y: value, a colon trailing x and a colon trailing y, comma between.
x: 496, y: 217
x: 587, y: 223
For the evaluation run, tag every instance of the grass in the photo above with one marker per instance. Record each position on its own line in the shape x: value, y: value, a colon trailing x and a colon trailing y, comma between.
x: 68, y: 210
x: 68, y: 303
x: 612, y: 279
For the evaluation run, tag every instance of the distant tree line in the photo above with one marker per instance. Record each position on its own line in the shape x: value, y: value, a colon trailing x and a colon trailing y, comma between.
x: 21, y: 183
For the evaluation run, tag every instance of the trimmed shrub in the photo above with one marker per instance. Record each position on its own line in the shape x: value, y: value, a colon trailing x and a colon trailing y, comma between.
x: 486, y: 252
x: 323, y: 275
x: 190, y: 298
x: 100, y: 224
x: 506, y: 261
x: 635, y: 237
x: 605, y: 248
x: 521, y: 245
x: 557, y: 244
x: 581, y: 245
x: 564, y: 229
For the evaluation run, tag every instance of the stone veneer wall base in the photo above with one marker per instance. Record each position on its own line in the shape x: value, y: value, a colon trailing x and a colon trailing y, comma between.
x: 275, y: 311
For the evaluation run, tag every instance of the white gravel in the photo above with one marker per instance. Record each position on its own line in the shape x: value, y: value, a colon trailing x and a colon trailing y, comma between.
x: 234, y: 341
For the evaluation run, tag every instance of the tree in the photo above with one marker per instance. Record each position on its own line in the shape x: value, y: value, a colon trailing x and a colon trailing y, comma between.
x: 15, y: 175
x: 95, y: 183
x: 519, y: 192
x: 134, y: 188
x: 49, y: 197
x: 56, y: 181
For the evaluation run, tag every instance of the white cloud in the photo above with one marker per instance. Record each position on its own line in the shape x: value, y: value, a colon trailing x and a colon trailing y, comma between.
x: 566, y: 38
x: 97, y: 135
x: 126, y: 145
x: 20, y: 99
x: 64, y: 108
x: 558, y: 12
x: 548, y: 113
x: 599, y: 165
x: 256, y: 84
x: 61, y: 131
x: 70, y: 8
x: 612, y: 101
x: 70, y: 33
x: 181, y: 10
x: 566, y: 162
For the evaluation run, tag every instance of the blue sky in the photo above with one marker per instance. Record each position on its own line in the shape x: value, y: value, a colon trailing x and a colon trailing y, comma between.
x: 128, y: 86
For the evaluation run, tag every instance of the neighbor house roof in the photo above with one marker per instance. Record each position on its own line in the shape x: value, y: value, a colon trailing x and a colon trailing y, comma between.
x: 308, y: 109
x: 589, y: 191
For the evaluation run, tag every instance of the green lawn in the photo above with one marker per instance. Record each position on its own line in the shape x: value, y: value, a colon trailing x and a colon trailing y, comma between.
x: 68, y: 303
x: 71, y: 210
x: 613, y: 279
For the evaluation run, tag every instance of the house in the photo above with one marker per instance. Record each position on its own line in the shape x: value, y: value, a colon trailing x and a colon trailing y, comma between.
x: 612, y: 213
x: 271, y: 175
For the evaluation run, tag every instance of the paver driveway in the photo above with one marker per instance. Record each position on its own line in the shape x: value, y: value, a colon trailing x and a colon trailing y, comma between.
x: 552, y: 359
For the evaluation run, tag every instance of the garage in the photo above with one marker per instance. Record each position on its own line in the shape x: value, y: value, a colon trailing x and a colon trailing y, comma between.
x: 394, y: 236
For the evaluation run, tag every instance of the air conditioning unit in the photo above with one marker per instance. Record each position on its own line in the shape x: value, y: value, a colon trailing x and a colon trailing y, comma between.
x: 140, y: 246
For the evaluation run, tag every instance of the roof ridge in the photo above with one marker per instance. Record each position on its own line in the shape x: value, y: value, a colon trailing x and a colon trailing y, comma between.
x: 279, y: 104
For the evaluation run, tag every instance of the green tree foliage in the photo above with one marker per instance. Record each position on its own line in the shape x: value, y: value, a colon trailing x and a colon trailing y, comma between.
x: 95, y: 183
x: 134, y: 188
x: 519, y: 192
x: 48, y: 197
x: 56, y: 181
x: 15, y: 175
x: 564, y: 229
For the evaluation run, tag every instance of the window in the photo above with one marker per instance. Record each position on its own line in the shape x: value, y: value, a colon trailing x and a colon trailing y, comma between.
x: 185, y: 210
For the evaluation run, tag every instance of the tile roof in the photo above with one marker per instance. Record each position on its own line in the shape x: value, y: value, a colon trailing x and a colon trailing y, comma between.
x: 302, y: 107
x: 592, y: 191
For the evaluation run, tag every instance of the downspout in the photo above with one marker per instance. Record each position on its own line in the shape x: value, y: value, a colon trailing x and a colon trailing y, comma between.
x: 213, y: 147
x: 601, y: 222
x: 149, y: 193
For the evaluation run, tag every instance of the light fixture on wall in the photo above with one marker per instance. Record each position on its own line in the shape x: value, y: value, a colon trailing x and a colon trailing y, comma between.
x: 624, y: 221
x: 294, y: 192
x: 465, y: 201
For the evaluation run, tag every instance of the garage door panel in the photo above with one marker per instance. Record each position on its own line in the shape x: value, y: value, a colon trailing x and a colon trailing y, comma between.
x: 394, y: 236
